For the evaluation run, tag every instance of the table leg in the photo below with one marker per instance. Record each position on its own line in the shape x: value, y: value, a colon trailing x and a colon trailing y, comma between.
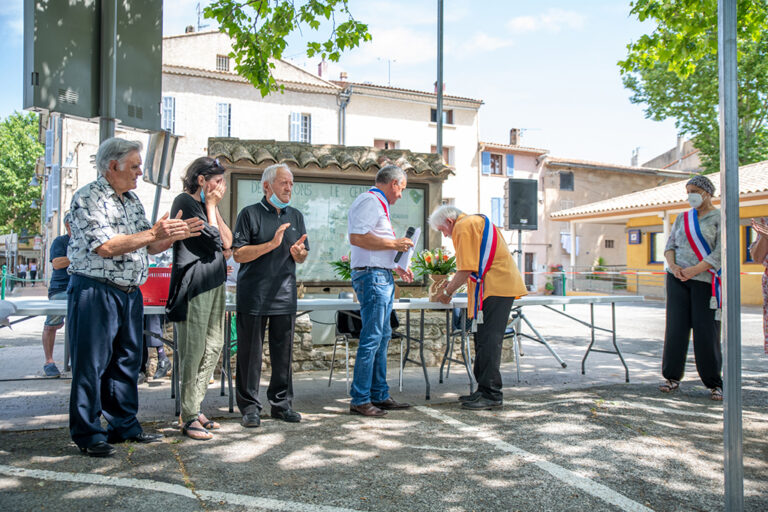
x: 466, y: 352
x: 448, y: 342
x: 615, y: 345
x: 592, y: 340
x: 421, y: 352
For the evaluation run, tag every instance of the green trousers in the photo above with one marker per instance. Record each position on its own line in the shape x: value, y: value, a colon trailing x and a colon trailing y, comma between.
x: 200, y: 340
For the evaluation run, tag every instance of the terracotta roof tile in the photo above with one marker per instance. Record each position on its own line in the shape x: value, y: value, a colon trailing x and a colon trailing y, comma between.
x: 362, y: 158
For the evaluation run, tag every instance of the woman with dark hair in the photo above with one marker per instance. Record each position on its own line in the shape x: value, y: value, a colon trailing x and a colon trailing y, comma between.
x: 197, y: 294
x: 693, y: 291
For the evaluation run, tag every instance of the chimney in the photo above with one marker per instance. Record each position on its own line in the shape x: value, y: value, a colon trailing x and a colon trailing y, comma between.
x: 514, y: 136
x: 322, y: 68
x: 635, y: 157
x: 679, y: 149
x: 343, y: 76
x: 190, y: 29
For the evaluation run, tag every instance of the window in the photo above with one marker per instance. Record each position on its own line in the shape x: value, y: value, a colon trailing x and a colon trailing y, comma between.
x: 566, y: 180
x: 609, y: 244
x: 168, y: 117
x: 301, y: 127
x: 447, y: 116
x: 566, y: 204
x: 496, y: 162
x: 447, y: 154
x: 329, y: 202
x: 449, y: 201
x: 222, y: 63
x: 749, y: 237
x: 497, y: 208
x: 656, y: 253
x: 384, y: 144
x: 223, y: 119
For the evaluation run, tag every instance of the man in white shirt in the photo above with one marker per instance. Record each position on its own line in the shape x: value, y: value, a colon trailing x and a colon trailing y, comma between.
x: 374, y: 246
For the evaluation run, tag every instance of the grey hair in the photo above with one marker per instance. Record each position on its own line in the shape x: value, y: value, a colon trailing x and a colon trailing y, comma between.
x: 270, y: 173
x: 442, y: 214
x: 388, y: 173
x: 114, y: 149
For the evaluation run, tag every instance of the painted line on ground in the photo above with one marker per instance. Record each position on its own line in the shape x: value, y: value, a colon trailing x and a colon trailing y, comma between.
x: 179, y: 490
x: 565, y: 475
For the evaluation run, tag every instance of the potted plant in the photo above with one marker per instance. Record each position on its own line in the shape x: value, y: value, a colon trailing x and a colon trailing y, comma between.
x: 342, y: 268
x: 437, y: 264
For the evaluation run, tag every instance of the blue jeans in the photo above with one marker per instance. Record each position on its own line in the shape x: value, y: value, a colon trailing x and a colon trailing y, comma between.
x: 375, y: 290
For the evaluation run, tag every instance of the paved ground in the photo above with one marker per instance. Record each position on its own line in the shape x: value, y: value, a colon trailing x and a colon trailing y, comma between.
x: 562, y: 442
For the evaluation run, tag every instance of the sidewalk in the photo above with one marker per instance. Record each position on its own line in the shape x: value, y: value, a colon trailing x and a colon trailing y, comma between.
x: 564, y: 441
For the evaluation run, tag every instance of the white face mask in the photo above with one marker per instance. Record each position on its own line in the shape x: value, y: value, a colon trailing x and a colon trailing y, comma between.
x: 695, y: 200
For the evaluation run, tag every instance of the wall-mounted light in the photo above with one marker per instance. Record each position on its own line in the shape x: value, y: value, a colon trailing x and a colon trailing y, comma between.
x: 33, y: 206
x: 33, y: 182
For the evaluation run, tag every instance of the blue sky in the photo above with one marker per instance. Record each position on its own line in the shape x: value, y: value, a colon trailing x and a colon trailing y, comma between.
x: 548, y: 67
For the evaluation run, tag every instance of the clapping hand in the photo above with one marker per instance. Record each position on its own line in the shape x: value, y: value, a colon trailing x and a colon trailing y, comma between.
x: 176, y: 228
x: 298, y: 250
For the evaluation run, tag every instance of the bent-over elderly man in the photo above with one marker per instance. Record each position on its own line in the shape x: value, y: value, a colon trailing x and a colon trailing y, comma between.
x: 484, y: 263
x: 270, y: 238
x: 108, y: 261
x: 374, y: 246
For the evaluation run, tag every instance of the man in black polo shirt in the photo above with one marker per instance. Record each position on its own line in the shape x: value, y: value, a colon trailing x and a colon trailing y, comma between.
x: 269, y: 240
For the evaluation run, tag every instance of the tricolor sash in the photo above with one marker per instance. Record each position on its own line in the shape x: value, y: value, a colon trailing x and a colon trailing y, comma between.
x: 701, y: 249
x: 378, y: 194
x: 487, y: 253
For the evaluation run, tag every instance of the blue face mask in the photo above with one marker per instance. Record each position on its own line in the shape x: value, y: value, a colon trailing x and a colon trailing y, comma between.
x: 277, y: 202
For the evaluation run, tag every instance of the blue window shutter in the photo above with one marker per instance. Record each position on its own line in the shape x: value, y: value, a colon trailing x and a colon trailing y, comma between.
x: 295, y: 133
x: 486, y: 161
x: 496, y: 210
x: 510, y: 165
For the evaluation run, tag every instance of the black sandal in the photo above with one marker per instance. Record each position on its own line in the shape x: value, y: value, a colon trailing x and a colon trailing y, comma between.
x: 209, y: 424
x: 188, y: 430
x: 669, y: 386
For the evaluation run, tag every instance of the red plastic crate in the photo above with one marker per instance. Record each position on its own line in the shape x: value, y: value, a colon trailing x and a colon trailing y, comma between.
x: 155, y: 290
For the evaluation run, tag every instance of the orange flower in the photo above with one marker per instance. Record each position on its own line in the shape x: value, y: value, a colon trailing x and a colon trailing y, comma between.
x: 428, y: 258
x: 445, y: 257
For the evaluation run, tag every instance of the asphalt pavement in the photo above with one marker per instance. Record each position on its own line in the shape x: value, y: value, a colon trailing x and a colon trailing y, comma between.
x: 563, y: 441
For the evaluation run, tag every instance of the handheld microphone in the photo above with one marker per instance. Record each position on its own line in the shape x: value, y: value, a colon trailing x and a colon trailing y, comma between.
x: 408, y: 234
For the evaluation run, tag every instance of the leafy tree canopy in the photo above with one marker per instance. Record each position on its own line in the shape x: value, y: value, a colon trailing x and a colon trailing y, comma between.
x: 259, y: 29
x: 19, y: 151
x: 673, y: 71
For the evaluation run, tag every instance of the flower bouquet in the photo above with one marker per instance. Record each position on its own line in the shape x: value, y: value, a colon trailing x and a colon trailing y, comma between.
x: 436, y: 264
x: 342, y: 268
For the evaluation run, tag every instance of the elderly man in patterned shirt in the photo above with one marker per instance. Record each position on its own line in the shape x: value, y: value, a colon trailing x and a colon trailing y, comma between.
x: 108, y: 261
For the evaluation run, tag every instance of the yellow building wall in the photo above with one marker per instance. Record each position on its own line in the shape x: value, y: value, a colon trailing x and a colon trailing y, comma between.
x: 638, y: 256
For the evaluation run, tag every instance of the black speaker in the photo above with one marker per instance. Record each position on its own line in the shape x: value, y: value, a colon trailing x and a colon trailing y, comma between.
x: 521, y: 204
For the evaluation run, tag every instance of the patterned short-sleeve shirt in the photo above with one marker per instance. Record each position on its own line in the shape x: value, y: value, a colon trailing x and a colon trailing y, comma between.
x: 97, y: 215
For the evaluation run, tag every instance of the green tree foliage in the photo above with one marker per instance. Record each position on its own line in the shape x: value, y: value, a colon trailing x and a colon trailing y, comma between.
x: 673, y: 71
x: 19, y: 151
x: 259, y: 29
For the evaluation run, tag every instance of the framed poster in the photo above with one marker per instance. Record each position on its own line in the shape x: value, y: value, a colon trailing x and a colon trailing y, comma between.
x: 634, y: 237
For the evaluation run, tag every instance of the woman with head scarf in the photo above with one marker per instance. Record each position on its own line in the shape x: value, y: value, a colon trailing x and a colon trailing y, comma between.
x: 693, y: 291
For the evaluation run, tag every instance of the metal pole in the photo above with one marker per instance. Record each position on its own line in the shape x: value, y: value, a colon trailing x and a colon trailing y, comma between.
x: 729, y: 195
x: 108, y: 78
x: 2, y: 287
x: 520, y: 250
x: 439, y: 144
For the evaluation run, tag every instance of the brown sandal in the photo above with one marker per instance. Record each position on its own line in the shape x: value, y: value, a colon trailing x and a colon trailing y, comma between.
x: 669, y: 386
x: 196, y: 433
x: 717, y: 394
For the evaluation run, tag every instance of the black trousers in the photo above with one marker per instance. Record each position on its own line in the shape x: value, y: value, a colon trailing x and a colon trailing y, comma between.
x: 250, y: 341
x: 105, y: 338
x: 688, y: 309
x: 488, y: 342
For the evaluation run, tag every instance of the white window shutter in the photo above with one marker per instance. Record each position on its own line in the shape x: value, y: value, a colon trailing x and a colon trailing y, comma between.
x: 295, y: 127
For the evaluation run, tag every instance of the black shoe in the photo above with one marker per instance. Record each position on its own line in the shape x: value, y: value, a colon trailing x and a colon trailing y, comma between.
x: 142, y: 437
x: 251, y: 420
x: 162, y: 368
x: 482, y: 404
x: 288, y: 415
x: 100, y: 449
x: 470, y: 398
x: 142, y: 378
